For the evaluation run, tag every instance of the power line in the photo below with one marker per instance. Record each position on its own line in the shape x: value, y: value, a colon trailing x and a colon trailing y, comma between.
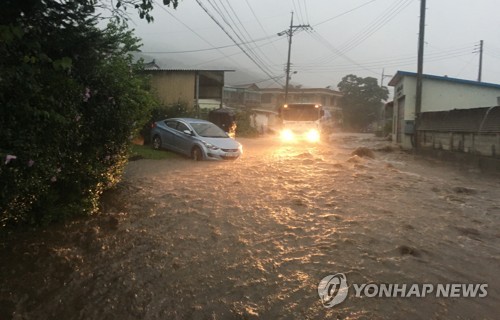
x: 350, y: 68
x: 394, y: 9
x: 376, y: 25
x: 268, y: 73
x: 258, y: 21
x: 396, y: 60
x: 325, y: 42
x: 192, y: 30
x: 344, y: 13
x: 216, y: 48
x: 298, y: 9
x: 306, y: 11
x: 246, y: 31
x: 238, y: 33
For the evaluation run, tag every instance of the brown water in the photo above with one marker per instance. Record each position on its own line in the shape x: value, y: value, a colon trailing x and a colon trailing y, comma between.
x: 252, y: 239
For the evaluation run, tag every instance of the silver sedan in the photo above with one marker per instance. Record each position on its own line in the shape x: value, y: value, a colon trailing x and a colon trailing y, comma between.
x: 196, y: 138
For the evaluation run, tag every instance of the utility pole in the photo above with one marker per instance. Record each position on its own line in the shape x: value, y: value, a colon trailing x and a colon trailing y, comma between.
x: 420, y: 70
x: 480, y: 60
x: 382, y: 78
x: 289, y: 33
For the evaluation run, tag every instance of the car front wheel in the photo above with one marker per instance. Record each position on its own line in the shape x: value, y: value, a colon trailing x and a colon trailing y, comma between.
x: 197, y: 154
x: 156, y: 142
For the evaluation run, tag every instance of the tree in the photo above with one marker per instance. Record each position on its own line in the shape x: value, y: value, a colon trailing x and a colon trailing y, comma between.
x: 71, y: 97
x: 361, y: 100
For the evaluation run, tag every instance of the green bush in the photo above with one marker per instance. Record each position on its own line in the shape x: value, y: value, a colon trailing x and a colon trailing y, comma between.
x: 70, y: 101
x: 244, y: 129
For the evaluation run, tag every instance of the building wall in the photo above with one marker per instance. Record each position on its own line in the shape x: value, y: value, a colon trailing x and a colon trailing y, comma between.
x: 173, y: 87
x: 437, y: 96
x: 241, y: 97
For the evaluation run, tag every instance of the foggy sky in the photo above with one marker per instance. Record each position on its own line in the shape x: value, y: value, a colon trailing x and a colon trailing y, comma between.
x: 376, y: 35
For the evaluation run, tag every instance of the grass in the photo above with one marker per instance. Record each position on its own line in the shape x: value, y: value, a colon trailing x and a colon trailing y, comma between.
x: 147, y: 152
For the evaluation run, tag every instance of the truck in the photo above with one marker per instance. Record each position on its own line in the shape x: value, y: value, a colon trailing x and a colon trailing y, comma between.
x: 301, y: 122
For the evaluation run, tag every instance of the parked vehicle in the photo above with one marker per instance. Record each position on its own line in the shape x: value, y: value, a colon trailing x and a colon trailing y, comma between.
x: 196, y: 138
x: 225, y: 118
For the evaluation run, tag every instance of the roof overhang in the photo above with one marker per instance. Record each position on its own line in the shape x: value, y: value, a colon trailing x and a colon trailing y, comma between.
x: 401, y: 74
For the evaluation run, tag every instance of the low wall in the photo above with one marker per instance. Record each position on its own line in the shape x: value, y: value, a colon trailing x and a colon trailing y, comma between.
x: 485, y: 144
x: 464, y: 160
x: 468, y: 137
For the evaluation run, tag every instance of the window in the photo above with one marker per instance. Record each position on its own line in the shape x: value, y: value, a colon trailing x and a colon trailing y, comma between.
x: 181, y: 127
x: 267, y: 98
x: 171, y: 124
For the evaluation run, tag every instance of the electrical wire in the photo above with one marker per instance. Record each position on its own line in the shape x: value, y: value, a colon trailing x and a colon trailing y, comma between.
x: 238, y: 31
x: 390, y: 13
x: 248, y: 34
x: 344, y: 13
x: 261, y: 67
x: 193, y: 31
x: 260, y: 24
x: 215, y: 48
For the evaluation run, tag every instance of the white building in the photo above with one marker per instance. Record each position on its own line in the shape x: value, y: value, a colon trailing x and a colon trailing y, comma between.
x: 439, y: 94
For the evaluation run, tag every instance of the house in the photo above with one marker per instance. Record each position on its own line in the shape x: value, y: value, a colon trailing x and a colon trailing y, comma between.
x: 272, y: 98
x: 194, y: 87
x: 439, y: 94
x: 242, y: 96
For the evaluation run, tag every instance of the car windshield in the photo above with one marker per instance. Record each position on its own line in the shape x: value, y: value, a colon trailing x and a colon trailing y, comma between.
x: 208, y: 130
x: 305, y: 112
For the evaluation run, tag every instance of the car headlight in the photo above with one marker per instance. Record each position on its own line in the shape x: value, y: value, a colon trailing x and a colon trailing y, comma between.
x: 313, y: 135
x: 210, y: 146
x: 287, y: 135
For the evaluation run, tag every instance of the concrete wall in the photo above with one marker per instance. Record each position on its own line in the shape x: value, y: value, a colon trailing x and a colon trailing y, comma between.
x: 486, y: 144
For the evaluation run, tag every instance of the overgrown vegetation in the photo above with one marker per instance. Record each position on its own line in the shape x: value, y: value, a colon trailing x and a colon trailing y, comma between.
x: 71, y: 98
x: 361, y: 101
x: 244, y: 129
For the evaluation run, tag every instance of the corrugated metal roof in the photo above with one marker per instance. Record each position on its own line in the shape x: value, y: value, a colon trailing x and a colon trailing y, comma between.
x: 479, y: 120
x: 153, y: 66
x: 188, y: 70
x: 400, y: 74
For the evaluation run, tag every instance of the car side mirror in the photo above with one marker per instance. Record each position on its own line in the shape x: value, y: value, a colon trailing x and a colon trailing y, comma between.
x: 187, y: 132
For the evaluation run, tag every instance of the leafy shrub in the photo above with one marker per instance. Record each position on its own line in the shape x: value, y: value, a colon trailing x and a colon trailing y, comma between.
x: 71, y: 99
x: 244, y: 129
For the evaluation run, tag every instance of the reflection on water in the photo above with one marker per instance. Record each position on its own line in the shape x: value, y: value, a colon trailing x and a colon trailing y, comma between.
x: 253, y: 238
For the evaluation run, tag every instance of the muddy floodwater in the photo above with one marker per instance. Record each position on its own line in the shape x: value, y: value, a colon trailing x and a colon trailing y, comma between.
x: 252, y: 238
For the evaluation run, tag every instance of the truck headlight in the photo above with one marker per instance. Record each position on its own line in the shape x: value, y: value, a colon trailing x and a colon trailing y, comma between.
x: 313, y: 135
x: 287, y: 135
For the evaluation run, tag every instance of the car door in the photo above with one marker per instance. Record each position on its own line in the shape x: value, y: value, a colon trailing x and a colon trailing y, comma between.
x: 168, y: 134
x: 183, y: 140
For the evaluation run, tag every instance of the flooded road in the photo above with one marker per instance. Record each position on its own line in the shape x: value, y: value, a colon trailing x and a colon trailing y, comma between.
x: 251, y: 239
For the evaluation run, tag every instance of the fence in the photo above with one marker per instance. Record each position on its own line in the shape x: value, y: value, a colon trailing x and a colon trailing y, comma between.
x: 474, y: 131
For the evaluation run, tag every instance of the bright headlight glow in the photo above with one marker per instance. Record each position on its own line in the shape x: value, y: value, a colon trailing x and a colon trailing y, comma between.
x: 287, y: 135
x: 313, y: 135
